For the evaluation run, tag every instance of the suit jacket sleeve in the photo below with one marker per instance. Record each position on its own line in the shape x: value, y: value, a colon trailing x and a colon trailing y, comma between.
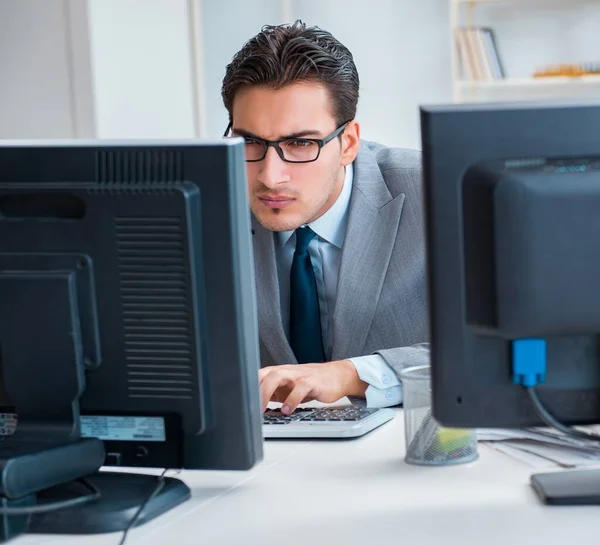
x: 409, y: 181
x: 405, y: 356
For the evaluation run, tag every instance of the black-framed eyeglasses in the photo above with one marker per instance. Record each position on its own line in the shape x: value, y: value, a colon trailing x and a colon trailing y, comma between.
x: 290, y: 150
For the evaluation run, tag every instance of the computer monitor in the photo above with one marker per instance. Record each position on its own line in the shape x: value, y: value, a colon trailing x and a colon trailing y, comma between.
x: 511, y: 204
x: 128, y: 329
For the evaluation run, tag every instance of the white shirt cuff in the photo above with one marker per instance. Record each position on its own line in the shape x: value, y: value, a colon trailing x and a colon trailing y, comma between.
x: 385, y: 389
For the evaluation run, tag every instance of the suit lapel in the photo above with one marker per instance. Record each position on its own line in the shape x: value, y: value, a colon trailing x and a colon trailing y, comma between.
x: 268, y: 299
x: 373, y: 221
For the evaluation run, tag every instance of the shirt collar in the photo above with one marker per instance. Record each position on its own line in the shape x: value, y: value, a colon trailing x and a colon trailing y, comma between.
x: 331, y: 226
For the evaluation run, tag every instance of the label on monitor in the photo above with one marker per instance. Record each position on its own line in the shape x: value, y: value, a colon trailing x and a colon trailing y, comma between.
x: 8, y: 423
x: 124, y: 428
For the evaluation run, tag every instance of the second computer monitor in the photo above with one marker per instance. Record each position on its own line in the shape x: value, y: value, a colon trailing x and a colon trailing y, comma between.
x: 511, y: 263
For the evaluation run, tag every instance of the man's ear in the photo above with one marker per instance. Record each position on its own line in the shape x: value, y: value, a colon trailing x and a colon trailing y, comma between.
x: 350, y: 143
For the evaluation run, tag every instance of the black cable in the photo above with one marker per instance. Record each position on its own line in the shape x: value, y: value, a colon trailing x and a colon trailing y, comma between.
x: 160, y: 483
x: 552, y: 422
x: 55, y: 506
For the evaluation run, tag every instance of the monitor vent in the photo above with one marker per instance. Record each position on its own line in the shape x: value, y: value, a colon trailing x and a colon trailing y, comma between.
x: 142, y: 166
x: 154, y: 295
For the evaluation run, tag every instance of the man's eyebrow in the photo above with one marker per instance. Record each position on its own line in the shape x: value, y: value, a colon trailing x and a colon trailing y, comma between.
x: 298, y: 134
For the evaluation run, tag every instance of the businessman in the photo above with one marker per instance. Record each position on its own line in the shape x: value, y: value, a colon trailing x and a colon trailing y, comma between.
x: 337, y: 225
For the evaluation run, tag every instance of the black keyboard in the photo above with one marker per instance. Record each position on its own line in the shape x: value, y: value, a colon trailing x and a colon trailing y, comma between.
x: 330, y: 414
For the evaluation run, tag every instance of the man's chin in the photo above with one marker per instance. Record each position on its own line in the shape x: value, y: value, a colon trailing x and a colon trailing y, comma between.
x: 278, y: 222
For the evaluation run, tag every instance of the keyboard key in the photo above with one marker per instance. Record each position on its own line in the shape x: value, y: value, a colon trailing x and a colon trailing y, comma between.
x: 344, y: 414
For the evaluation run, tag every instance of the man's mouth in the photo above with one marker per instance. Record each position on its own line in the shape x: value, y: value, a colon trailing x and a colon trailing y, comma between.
x: 276, y: 202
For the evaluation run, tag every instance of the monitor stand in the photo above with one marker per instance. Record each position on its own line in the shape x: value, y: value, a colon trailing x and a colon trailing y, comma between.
x: 122, y: 495
x: 42, y: 370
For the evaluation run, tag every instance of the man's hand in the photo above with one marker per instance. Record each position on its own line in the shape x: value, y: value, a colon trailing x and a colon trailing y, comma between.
x: 295, y: 384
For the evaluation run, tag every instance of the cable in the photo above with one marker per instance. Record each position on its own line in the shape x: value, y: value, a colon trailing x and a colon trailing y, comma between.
x: 55, y: 506
x: 160, y: 483
x: 529, y: 370
x: 552, y: 422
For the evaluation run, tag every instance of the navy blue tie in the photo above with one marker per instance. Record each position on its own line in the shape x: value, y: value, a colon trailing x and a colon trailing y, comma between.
x: 305, y: 319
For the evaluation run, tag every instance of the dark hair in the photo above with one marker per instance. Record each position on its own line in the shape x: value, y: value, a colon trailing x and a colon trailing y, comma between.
x: 292, y: 53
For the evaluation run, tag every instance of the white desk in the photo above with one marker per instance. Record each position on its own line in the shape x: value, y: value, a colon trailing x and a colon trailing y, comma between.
x: 360, y: 492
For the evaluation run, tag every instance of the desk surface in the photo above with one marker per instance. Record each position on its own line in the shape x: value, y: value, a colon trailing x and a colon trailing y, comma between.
x: 357, y: 492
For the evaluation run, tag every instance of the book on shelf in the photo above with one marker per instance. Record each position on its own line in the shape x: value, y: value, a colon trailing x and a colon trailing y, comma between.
x: 568, y: 70
x: 478, y: 54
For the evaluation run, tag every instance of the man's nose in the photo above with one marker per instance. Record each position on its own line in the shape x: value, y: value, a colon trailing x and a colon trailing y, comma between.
x: 272, y: 169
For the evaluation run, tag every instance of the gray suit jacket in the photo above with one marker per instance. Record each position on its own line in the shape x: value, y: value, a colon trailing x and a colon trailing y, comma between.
x: 381, y: 304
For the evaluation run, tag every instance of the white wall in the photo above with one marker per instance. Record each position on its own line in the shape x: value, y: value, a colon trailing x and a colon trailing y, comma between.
x: 35, y: 93
x: 142, y: 68
x: 125, y: 68
x: 98, y: 68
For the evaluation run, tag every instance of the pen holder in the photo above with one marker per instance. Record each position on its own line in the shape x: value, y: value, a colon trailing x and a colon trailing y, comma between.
x: 428, y: 443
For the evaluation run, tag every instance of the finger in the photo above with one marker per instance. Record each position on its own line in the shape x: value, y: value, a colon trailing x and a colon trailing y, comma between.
x: 264, y: 373
x: 280, y: 395
x: 268, y: 387
x: 299, y: 393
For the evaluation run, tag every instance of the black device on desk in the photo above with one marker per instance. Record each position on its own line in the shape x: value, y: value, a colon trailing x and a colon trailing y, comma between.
x: 512, y: 199
x: 128, y: 330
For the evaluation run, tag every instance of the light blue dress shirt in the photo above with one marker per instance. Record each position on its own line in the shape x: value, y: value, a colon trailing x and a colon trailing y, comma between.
x: 325, y: 252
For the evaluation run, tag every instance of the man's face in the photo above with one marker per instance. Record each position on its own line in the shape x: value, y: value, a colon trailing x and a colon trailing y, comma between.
x: 284, y: 196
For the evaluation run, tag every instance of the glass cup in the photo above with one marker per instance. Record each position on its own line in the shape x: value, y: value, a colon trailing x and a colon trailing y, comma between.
x: 428, y: 443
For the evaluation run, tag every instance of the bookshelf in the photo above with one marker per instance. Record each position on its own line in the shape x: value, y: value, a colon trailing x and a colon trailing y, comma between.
x: 487, y: 82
